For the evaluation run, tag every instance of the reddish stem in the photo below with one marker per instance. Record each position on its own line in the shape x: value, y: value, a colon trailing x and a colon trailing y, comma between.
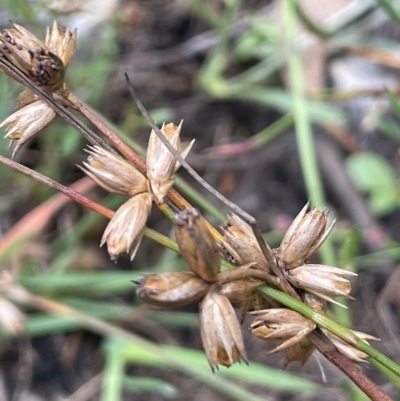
x: 357, y: 376
x: 70, y: 192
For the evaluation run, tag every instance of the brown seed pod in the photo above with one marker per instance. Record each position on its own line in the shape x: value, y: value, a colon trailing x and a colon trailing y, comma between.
x: 172, y: 289
x: 125, y: 230
x: 239, y: 290
x: 346, y: 349
x: 197, y: 245
x: 305, y: 235
x: 281, y: 325
x: 240, y: 242
x: 113, y: 173
x: 220, y: 331
x: 325, y: 282
x: 161, y: 163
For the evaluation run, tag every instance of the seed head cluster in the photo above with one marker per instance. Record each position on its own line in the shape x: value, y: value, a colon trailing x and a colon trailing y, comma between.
x: 45, y: 64
x: 125, y: 230
x: 215, y: 291
x: 206, y: 284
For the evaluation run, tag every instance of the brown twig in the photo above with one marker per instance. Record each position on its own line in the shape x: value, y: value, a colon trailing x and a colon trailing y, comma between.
x: 32, y: 223
x: 78, y: 197
x: 357, y: 376
x: 70, y: 192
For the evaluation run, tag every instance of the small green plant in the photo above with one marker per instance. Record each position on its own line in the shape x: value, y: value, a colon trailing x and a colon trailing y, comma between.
x: 373, y: 175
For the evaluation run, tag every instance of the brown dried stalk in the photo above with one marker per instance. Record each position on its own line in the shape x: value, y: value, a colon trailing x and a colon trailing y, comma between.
x: 83, y: 200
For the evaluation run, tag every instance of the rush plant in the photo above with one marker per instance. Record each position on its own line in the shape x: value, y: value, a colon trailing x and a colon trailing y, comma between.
x: 284, y: 293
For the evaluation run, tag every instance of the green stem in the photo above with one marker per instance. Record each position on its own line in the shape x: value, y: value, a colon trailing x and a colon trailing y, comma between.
x: 272, y: 131
x: 332, y: 326
x: 113, y: 376
x: 304, y: 134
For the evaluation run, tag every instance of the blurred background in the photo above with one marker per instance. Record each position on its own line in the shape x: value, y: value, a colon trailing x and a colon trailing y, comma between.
x: 224, y: 67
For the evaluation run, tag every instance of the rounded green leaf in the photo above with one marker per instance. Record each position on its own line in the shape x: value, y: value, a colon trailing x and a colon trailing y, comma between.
x: 373, y: 175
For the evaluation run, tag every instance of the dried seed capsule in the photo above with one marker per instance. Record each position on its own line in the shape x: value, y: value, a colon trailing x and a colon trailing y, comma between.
x: 346, y: 349
x: 61, y: 41
x: 24, y: 98
x: 281, y: 325
x: 239, y: 290
x: 172, y: 289
x: 197, y: 244
x: 17, y: 46
x: 240, y: 242
x: 161, y: 163
x: 113, y: 173
x: 326, y: 282
x: 299, y: 352
x: 256, y: 301
x: 43, y: 65
x: 11, y: 318
x: 314, y: 302
x: 305, y: 235
x: 125, y: 230
x: 27, y: 122
x: 220, y: 331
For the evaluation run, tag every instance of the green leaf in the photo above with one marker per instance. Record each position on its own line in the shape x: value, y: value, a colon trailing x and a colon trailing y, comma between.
x: 113, y: 376
x: 389, y: 128
x: 390, y: 9
x: 95, y: 284
x: 256, y: 374
x: 372, y: 174
x: 394, y: 102
x: 150, y: 385
x: 283, y: 101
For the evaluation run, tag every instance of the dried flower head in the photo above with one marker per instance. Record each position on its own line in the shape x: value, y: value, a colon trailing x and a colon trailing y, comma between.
x: 11, y: 318
x: 171, y: 289
x: 239, y: 290
x: 197, y: 245
x: 113, y: 173
x: 45, y: 64
x: 62, y: 42
x: 161, y: 163
x: 220, y: 331
x: 300, y: 352
x: 25, y: 123
x: 125, y: 230
x: 281, y: 325
x: 326, y: 282
x: 32, y: 57
x: 314, y: 302
x: 346, y: 349
x: 240, y: 242
x: 304, y: 236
